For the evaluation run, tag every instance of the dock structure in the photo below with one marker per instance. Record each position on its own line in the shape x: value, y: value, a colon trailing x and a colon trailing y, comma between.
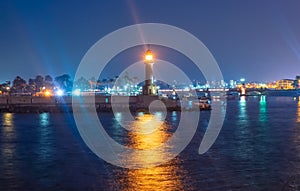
x: 28, y: 104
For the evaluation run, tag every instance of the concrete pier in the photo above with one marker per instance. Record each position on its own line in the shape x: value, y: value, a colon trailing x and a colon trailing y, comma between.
x: 34, y: 104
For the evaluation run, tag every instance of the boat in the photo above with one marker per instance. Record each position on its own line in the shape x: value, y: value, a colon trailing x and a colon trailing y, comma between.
x: 204, y: 103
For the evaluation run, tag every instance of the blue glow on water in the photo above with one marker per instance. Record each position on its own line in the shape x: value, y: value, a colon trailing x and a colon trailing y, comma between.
x: 44, y: 119
x: 258, y: 140
x: 263, y: 109
x: 243, y: 111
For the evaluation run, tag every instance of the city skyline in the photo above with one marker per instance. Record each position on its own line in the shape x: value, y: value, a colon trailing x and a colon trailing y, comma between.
x: 253, y: 40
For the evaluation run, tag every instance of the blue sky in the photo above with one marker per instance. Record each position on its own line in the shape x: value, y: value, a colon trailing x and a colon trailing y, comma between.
x: 258, y: 40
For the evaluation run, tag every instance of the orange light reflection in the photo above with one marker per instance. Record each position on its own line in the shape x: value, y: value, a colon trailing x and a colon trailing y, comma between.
x: 8, y: 148
x: 7, y: 119
x: 164, y: 177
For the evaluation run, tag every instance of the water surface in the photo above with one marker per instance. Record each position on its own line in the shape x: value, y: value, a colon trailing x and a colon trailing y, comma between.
x: 258, y: 149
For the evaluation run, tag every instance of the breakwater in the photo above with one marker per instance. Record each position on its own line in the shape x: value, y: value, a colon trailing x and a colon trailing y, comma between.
x: 35, y: 104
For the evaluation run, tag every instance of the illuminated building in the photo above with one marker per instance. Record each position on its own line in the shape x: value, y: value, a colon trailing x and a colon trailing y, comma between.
x: 232, y: 84
x: 271, y: 85
x: 285, y: 84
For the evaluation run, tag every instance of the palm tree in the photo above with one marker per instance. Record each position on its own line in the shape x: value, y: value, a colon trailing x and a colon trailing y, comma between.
x: 48, y: 82
x: 39, y: 81
x: 32, y: 85
x: 19, y: 85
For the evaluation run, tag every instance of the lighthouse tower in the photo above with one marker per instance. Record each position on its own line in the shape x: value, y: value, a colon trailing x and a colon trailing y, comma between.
x: 149, y: 88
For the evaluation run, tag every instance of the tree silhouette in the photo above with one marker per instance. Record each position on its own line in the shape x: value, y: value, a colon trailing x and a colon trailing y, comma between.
x: 39, y: 81
x: 82, y: 83
x: 19, y: 85
x: 48, y: 82
x: 5, y: 87
x: 32, y: 85
x: 64, y: 82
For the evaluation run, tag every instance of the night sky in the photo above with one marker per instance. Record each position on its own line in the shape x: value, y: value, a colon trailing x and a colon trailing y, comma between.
x: 258, y: 39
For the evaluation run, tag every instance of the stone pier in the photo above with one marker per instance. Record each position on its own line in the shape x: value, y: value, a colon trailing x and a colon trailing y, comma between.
x: 35, y: 104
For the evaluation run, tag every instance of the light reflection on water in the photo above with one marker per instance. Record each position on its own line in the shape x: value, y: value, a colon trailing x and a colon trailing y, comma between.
x: 8, y: 134
x: 149, y: 132
x: 8, y: 147
x: 167, y: 177
x: 298, y: 110
x: 242, y: 131
x: 44, y: 150
x: 257, y: 149
x: 243, y: 111
x: 263, y: 109
x: 164, y: 177
x: 44, y: 119
x: 7, y: 119
x: 147, y: 124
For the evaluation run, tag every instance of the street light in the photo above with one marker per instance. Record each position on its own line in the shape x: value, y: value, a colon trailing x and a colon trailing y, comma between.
x: 59, y: 92
x: 47, y: 93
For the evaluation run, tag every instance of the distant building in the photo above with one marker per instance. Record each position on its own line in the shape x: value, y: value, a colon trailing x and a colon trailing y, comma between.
x: 297, y: 82
x: 285, y: 84
x: 271, y: 85
x: 232, y: 84
x: 215, y: 84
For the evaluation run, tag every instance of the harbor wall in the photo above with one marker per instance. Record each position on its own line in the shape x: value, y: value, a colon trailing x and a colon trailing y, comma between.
x: 26, y: 104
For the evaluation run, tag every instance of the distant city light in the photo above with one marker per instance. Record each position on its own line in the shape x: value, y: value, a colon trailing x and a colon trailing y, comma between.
x: 76, y: 92
x: 47, y: 93
x: 242, y: 79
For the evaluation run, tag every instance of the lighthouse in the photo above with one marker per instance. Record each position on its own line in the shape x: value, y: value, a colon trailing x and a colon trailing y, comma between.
x: 149, y: 88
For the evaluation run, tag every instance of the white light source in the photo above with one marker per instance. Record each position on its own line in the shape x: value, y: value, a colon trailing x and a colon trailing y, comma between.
x: 59, y: 92
x: 76, y: 92
x: 149, y: 56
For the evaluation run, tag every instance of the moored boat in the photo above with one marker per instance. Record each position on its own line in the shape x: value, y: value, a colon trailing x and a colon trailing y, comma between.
x: 204, y: 103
